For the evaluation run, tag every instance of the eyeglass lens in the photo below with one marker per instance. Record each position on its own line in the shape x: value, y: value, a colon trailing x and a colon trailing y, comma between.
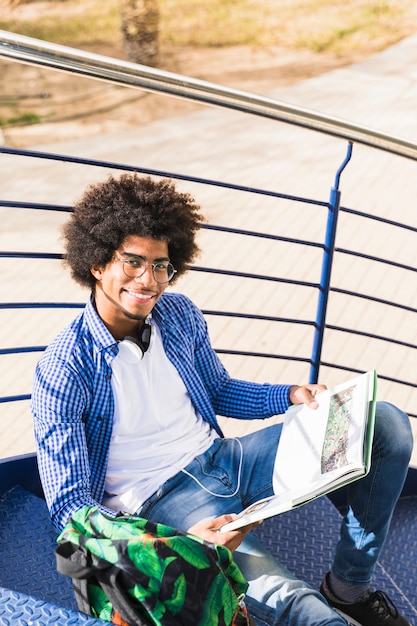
x: 162, y: 272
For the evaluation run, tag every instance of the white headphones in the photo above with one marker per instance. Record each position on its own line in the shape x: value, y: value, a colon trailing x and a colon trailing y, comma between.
x: 145, y: 339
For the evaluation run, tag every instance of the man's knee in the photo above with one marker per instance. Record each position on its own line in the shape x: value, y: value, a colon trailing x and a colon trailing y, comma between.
x: 393, y: 430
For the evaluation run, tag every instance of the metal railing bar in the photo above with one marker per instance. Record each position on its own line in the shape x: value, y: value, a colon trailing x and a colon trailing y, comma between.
x: 46, y: 54
x: 380, y: 376
x: 326, y: 267
x: 23, y: 397
x: 26, y: 396
x: 288, y: 320
x: 31, y: 255
x: 307, y: 360
x: 396, y: 305
x: 22, y: 350
x: 212, y: 270
x: 51, y: 255
x: 30, y: 349
x: 212, y: 313
x: 254, y: 316
x: 378, y: 218
x: 251, y: 233
x: 361, y: 333
x: 214, y: 227
x: 13, y: 204
x: 284, y: 357
x: 376, y: 259
x: 390, y: 379
x: 194, y: 268
x: 41, y: 305
x: 160, y: 173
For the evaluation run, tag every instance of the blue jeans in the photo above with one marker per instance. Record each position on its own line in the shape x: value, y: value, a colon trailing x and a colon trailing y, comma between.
x: 236, y: 473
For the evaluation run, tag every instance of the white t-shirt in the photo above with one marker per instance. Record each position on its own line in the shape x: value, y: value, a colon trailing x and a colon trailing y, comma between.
x: 156, y: 429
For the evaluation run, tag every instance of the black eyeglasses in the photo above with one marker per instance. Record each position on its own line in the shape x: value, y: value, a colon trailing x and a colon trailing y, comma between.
x: 162, y: 272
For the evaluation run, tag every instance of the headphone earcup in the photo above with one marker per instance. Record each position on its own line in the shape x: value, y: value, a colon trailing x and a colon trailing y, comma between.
x: 144, y: 340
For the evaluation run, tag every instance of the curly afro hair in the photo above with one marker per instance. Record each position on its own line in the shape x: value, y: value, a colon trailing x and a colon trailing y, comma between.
x: 110, y: 211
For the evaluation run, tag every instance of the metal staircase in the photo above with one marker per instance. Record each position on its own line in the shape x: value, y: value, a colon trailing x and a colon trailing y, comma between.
x: 31, y: 592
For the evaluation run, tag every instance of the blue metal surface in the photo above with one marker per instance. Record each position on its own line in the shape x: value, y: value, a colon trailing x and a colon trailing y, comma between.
x: 303, y: 539
x: 20, y: 470
x: 32, y: 592
x: 27, y: 544
x: 18, y: 609
x: 399, y: 556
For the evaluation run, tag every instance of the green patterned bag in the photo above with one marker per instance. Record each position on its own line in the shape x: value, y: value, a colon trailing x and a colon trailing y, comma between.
x: 129, y: 571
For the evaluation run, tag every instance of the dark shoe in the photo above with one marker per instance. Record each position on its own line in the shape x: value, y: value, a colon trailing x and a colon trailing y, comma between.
x: 375, y: 609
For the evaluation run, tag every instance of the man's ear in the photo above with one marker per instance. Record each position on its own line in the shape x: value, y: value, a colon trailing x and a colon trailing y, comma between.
x: 97, y: 271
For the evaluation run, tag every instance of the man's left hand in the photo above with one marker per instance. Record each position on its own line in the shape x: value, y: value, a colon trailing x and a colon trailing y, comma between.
x: 305, y: 394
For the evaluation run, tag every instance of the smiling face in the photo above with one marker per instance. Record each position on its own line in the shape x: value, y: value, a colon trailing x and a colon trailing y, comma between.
x: 123, y: 303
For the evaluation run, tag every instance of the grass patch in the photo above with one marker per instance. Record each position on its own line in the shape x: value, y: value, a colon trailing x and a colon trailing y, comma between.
x: 357, y: 26
x: 71, y: 25
x: 317, y: 25
x: 24, y: 119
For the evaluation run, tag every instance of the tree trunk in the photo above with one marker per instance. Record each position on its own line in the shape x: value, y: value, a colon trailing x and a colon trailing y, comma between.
x: 140, y: 28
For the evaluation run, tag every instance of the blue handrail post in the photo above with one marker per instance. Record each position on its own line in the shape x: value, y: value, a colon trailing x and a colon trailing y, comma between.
x: 326, y: 269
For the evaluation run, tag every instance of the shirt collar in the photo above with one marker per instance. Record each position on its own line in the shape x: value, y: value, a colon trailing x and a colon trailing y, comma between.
x: 102, y: 337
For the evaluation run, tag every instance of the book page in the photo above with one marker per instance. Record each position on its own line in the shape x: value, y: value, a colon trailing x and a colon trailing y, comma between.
x: 319, y: 449
x: 319, y: 445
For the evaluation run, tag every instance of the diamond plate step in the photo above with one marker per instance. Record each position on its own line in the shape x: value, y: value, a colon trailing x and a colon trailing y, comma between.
x: 303, y: 539
x: 18, y: 609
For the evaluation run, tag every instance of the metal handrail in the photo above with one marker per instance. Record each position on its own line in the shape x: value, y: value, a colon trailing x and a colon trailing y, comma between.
x: 37, y: 52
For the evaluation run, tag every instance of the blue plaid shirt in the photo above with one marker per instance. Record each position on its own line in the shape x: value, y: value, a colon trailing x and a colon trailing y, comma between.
x: 72, y: 400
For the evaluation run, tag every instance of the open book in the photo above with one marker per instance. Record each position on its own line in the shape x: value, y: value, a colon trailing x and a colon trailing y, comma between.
x: 320, y: 449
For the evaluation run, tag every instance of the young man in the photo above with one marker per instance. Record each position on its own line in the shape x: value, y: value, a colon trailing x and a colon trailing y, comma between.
x: 125, y: 402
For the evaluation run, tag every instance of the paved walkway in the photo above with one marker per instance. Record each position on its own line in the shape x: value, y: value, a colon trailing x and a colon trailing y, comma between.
x: 380, y: 92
